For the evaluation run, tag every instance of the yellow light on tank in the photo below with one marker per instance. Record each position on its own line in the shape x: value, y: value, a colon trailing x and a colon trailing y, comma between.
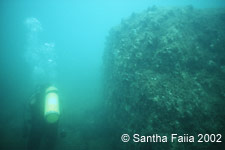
x: 51, y: 112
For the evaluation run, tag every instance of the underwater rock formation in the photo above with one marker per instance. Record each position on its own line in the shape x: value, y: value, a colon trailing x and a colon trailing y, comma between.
x: 164, y: 72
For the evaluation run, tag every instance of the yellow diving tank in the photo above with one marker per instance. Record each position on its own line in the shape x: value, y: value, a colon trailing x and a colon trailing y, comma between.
x: 51, y: 112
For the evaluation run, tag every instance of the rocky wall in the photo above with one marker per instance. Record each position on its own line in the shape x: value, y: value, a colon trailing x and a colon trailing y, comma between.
x: 164, y: 72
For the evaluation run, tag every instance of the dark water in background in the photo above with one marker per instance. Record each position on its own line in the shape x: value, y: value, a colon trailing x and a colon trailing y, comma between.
x: 77, y: 29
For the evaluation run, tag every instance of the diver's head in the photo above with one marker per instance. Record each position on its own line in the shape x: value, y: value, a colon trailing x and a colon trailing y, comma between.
x: 40, y: 88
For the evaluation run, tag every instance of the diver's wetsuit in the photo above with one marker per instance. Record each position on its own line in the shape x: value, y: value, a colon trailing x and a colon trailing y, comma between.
x: 40, y: 129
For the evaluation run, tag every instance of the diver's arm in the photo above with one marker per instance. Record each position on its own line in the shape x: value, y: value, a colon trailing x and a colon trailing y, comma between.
x: 27, y: 115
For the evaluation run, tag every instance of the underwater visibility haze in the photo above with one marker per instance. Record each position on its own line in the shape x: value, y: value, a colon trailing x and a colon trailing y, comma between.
x: 112, y: 75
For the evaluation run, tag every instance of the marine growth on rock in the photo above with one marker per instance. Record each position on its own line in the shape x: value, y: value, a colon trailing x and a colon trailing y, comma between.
x: 164, y: 72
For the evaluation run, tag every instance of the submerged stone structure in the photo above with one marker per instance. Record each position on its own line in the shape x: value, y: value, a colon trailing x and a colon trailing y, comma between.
x: 164, y: 73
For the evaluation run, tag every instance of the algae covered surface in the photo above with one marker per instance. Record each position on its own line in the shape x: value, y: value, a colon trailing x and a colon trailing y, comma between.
x: 164, y: 73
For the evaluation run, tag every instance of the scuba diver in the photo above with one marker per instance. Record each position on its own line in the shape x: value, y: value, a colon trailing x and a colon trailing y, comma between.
x: 41, y: 126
